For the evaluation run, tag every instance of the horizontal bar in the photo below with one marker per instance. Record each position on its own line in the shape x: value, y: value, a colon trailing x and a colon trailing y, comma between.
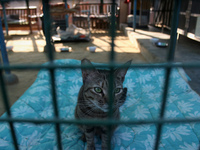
x: 7, y: 106
x: 97, y: 4
x: 99, y: 122
x: 112, y: 65
x: 5, y: 1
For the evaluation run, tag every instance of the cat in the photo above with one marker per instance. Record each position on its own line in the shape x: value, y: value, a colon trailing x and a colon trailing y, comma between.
x: 93, y: 100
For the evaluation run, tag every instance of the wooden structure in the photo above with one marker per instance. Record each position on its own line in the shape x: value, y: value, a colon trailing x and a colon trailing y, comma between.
x: 98, y: 19
x: 21, y: 18
x: 189, y: 17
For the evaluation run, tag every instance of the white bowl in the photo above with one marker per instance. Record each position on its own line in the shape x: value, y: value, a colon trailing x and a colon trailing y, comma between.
x: 65, y: 49
x: 9, y: 48
x: 92, y: 49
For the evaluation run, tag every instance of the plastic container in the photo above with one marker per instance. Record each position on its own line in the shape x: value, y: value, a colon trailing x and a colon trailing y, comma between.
x: 92, y: 49
x: 65, y: 49
x: 162, y: 44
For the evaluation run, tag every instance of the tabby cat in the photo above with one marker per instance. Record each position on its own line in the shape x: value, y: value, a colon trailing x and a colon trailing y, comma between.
x: 93, y: 100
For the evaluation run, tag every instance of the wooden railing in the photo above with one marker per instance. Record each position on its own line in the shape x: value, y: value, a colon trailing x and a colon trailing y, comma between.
x: 98, y: 20
x: 21, y: 18
x: 96, y: 7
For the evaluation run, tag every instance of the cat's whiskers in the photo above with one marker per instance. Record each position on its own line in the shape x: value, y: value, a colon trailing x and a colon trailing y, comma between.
x: 101, y: 108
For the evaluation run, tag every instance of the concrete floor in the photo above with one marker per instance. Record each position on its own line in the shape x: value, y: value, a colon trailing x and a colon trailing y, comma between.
x: 28, y: 49
x: 187, y: 50
x: 137, y: 46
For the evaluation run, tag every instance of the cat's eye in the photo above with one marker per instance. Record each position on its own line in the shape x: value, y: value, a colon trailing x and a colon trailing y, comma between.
x: 117, y: 90
x: 97, y: 89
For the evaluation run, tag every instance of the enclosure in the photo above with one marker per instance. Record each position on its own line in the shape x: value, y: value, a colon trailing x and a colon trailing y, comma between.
x: 149, y: 116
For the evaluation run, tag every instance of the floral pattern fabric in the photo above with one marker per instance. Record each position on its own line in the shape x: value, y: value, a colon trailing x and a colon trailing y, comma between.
x: 144, y: 97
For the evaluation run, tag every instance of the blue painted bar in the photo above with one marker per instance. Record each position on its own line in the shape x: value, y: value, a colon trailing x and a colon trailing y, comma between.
x: 66, y: 16
x: 4, y: 93
x: 5, y: 19
x: 49, y: 46
x: 173, y: 34
x: 171, y: 52
x: 134, y: 15
x: 6, y: 104
x: 3, y: 48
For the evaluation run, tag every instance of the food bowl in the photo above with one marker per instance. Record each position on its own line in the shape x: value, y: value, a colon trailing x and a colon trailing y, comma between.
x: 9, y: 48
x: 162, y: 44
x: 65, y: 49
x: 92, y: 49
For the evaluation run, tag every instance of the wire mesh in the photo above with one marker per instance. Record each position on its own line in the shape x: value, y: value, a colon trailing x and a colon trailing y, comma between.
x: 112, y: 64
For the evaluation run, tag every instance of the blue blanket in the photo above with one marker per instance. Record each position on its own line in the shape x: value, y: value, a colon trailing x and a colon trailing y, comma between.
x: 145, y: 89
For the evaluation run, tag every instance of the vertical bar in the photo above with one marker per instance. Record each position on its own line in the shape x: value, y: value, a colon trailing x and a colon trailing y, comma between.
x: 88, y: 19
x: 101, y: 7
x: 163, y: 16
x: 47, y: 27
x: 113, y: 34
x: 3, y: 48
x: 134, y: 15
x: 28, y: 16
x: 111, y: 79
x: 6, y: 104
x: 170, y: 58
x: 66, y: 16
x: 173, y: 36
x: 3, y: 89
x: 5, y: 19
x: 140, y: 18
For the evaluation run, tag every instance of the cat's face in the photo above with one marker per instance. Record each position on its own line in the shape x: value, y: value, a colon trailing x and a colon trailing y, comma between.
x: 96, y: 86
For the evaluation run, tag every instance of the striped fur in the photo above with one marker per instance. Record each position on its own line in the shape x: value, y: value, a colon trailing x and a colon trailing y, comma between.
x: 93, y: 100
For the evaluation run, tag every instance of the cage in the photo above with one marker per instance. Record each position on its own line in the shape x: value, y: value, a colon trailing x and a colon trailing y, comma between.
x: 52, y: 68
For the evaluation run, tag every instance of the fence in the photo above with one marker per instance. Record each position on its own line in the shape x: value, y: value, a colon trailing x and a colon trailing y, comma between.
x: 99, y: 15
x: 51, y: 67
x: 21, y: 17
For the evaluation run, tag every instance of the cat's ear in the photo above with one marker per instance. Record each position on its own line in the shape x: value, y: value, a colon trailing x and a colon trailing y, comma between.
x: 121, y: 72
x: 86, y: 72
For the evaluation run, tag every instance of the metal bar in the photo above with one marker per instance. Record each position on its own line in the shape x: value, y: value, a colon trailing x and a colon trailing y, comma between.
x: 3, y: 48
x: 170, y: 58
x: 163, y: 16
x: 140, y: 18
x: 28, y: 16
x: 70, y: 66
x: 66, y: 16
x: 111, y: 65
x: 101, y: 6
x: 5, y: 18
x: 135, y: 14
x: 47, y: 28
x: 55, y: 105
x: 100, y: 122
x: 111, y: 79
x: 6, y: 104
x: 173, y: 36
x: 113, y: 34
x: 51, y: 58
